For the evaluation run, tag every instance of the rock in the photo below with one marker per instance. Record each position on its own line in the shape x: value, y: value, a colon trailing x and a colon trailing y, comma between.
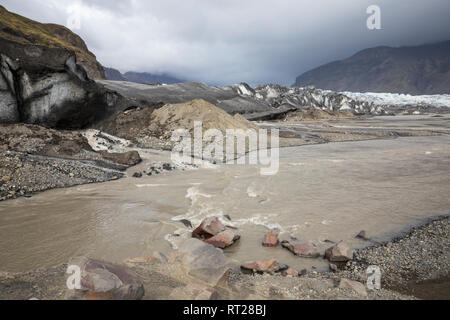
x: 339, y: 253
x: 356, y: 286
x: 224, y: 239
x: 128, y: 159
x: 137, y: 175
x: 290, y: 273
x: 194, y: 291
x: 186, y: 223
x: 202, y: 261
x: 363, y: 235
x: 208, y: 229
x: 160, y: 257
x: 270, y: 266
x: 138, y: 260
x: 168, y: 167
x: 104, y: 280
x: 6, y: 179
x: 333, y: 267
x: 301, y: 249
x: 271, y: 239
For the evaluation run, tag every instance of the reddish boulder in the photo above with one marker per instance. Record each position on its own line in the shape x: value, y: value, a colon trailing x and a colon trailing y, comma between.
x: 208, y: 229
x: 290, y: 273
x: 271, y: 239
x: 301, y: 249
x: 339, y: 253
x: 224, y: 239
x: 269, y: 266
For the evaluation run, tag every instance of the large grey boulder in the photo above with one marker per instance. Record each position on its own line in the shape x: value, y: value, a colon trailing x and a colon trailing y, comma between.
x: 104, y: 280
x: 203, y: 262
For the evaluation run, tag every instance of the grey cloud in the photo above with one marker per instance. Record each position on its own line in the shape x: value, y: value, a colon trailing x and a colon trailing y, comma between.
x: 225, y: 42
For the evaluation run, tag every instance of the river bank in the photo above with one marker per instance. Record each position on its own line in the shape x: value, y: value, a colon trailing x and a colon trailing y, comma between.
x: 410, y: 264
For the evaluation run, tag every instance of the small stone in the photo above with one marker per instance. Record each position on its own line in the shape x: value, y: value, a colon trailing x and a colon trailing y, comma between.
x: 6, y: 179
x: 290, y: 273
x: 224, y: 239
x: 271, y: 239
x: 339, y: 253
x: 303, y: 272
x: 208, y: 229
x: 301, y: 249
x: 356, y: 286
x: 137, y: 175
x: 363, y: 235
x: 269, y: 266
x: 71, y: 175
x: 333, y: 267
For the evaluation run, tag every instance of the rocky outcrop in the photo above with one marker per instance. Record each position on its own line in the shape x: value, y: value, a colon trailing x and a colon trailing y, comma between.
x: 18, y: 29
x: 47, y: 86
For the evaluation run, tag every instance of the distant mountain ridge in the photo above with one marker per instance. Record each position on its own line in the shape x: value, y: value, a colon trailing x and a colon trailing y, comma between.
x: 419, y: 70
x: 140, y: 77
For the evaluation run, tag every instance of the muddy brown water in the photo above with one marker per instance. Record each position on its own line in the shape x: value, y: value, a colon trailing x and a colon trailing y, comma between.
x: 322, y: 192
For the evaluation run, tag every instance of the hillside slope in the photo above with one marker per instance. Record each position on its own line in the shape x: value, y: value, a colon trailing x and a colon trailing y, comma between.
x: 140, y: 77
x: 16, y: 28
x: 413, y: 70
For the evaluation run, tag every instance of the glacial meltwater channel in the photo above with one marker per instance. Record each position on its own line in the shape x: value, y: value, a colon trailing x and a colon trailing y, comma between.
x: 322, y: 192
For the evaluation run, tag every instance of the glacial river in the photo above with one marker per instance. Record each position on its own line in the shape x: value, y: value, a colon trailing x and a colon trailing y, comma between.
x: 322, y: 192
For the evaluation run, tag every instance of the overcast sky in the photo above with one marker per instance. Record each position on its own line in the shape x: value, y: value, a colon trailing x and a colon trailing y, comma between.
x: 231, y: 41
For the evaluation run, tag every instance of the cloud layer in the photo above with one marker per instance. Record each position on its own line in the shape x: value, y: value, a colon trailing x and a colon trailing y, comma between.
x: 225, y: 42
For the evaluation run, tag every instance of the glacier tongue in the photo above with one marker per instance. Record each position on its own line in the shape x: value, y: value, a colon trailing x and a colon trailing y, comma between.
x: 395, y: 99
x: 280, y: 97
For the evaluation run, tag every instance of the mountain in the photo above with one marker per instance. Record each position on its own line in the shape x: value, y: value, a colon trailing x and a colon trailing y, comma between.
x: 149, y: 78
x: 415, y: 70
x: 16, y: 28
x: 140, y: 77
x: 114, y: 75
